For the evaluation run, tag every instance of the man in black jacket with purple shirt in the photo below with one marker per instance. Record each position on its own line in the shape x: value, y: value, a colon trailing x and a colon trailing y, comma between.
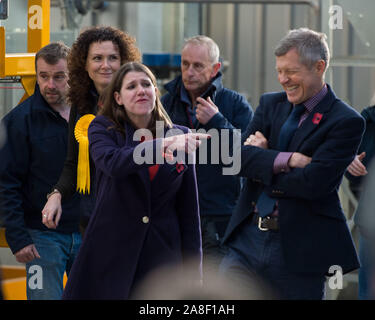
x: 289, y: 227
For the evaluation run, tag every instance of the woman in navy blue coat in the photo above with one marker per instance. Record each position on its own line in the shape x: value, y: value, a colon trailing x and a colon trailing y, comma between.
x: 146, y: 215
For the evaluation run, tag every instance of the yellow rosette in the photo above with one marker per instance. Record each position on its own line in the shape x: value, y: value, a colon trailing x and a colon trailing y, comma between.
x: 83, y: 168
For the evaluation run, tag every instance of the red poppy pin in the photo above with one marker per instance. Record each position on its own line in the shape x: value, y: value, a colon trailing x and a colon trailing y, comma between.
x: 317, y: 117
x: 180, y: 167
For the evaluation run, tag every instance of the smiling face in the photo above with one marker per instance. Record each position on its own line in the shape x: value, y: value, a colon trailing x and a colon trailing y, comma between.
x: 103, y: 60
x: 138, y: 96
x: 299, y: 82
x: 52, y: 80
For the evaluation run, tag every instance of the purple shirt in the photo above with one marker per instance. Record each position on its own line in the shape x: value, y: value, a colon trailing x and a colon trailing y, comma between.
x: 281, y: 161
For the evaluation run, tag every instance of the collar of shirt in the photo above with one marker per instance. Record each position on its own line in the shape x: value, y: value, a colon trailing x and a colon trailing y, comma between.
x: 185, y: 96
x: 311, y: 103
x: 314, y: 100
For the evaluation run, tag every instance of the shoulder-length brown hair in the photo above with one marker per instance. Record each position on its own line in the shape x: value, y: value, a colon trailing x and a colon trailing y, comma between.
x: 112, y: 110
x: 79, y: 81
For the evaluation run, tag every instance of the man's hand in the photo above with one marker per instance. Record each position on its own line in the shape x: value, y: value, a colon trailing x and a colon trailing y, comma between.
x: 52, y: 210
x: 298, y: 160
x: 27, y: 254
x: 205, y: 110
x: 357, y: 168
x: 257, y: 140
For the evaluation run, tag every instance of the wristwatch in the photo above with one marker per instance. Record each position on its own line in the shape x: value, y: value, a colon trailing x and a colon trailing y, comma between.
x: 53, y: 192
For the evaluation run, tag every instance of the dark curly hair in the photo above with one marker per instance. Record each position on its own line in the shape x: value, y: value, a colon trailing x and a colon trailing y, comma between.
x: 79, y: 81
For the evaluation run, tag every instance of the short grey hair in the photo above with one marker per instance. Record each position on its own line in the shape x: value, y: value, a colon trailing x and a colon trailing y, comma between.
x: 311, y: 46
x: 213, y: 48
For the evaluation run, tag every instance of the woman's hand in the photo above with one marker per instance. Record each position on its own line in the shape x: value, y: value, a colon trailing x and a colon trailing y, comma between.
x: 188, y: 142
x: 52, y: 210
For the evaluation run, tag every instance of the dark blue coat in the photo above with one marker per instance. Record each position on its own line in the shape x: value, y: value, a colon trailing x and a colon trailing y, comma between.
x: 367, y: 145
x: 218, y: 193
x: 31, y: 163
x: 137, y: 224
x: 314, y: 234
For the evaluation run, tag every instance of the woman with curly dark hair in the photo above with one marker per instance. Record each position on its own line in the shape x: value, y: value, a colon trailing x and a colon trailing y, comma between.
x: 95, y: 56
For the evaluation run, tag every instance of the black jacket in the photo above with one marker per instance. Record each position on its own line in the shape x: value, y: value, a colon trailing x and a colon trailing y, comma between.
x: 67, y: 183
x: 218, y: 193
x: 31, y: 162
x: 313, y: 231
x: 367, y: 145
x: 358, y: 184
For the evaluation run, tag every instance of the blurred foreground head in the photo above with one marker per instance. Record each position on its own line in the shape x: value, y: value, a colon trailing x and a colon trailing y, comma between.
x: 170, y: 283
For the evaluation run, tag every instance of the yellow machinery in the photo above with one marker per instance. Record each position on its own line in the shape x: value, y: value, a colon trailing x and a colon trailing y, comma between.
x: 38, y: 35
x: 22, y: 65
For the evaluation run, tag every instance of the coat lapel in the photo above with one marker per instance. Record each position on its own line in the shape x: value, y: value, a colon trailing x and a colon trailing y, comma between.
x: 310, y: 125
